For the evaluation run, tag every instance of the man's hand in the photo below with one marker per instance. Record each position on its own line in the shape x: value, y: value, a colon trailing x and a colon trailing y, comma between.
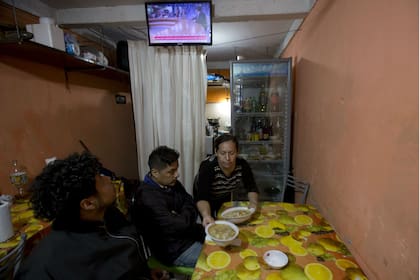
x: 207, y: 220
x: 204, y: 208
x: 253, y: 200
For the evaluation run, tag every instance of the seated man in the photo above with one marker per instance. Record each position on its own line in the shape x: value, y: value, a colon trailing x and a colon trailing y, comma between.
x: 90, y: 239
x: 220, y: 176
x: 166, y: 214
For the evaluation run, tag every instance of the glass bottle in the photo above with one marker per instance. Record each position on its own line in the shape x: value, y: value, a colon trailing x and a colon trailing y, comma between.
x: 18, y: 177
x: 266, y: 131
x: 274, y: 101
x: 263, y: 100
x: 254, y: 104
x: 247, y: 105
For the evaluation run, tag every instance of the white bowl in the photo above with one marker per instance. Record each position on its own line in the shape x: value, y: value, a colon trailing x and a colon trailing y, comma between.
x: 275, y: 258
x: 239, y: 219
x: 223, y: 242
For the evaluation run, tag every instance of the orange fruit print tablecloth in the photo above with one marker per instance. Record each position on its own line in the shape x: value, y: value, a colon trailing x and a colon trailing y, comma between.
x: 314, y: 250
x: 23, y: 221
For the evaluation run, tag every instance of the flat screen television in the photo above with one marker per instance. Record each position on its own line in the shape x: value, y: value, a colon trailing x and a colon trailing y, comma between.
x: 179, y: 23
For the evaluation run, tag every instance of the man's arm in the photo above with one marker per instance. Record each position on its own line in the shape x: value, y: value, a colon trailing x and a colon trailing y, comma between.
x: 204, y: 208
x: 253, y: 200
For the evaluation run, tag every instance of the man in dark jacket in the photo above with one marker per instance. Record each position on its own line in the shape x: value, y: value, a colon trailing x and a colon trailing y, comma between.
x: 90, y: 239
x: 166, y: 214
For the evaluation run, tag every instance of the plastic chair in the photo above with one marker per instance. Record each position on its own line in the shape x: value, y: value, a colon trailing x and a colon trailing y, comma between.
x: 153, y: 263
x: 9, y: 264
x: 298, y: 186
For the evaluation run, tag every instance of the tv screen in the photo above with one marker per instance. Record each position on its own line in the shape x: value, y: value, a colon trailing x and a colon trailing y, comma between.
x: 179, y: 23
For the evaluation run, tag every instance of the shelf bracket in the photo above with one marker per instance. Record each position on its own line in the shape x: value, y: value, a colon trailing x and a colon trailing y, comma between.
x: 66, y: 78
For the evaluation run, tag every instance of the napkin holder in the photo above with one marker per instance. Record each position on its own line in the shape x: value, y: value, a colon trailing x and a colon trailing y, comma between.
x: 6, y: 227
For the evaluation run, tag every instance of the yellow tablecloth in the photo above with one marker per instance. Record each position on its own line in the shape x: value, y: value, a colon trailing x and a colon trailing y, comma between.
x: 314, y: 250
x: 23, y: 220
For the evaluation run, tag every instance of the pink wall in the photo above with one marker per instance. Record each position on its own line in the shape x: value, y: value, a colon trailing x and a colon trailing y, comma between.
x: 356, y: 127
x: 41, y: 116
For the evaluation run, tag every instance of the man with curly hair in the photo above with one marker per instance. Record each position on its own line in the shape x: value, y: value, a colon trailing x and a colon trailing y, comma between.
x: 90, y: 238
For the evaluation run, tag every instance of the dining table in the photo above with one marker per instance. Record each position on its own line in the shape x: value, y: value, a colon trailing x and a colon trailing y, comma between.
x: 313, y: 248
x: 24, y: 221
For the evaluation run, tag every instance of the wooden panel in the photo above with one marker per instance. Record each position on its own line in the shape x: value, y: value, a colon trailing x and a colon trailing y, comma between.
x: 216, y: 94
x: 23, y: 18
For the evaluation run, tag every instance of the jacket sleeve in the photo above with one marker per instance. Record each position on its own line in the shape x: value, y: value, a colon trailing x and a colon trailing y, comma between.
x: 174, y: 214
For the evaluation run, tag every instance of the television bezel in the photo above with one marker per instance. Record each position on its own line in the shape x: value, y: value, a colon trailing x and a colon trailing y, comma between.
x: 209, y: 2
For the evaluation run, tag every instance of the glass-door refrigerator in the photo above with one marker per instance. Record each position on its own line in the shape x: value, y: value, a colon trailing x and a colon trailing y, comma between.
x: 261, y: 120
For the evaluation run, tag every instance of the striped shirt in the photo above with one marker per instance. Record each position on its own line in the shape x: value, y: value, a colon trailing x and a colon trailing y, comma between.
x: 216, y: 188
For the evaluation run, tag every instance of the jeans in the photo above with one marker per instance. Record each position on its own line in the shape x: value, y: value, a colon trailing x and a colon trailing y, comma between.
x: 189, y: 257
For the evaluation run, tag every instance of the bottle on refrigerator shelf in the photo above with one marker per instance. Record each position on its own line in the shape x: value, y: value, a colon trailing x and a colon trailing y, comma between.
x: 260, y: 130
x: 274, y: 102
x: 263, y: 100
x: 254, y: 105
x: 253, y: 131
x: 247, y: 105
x: 266, y: 130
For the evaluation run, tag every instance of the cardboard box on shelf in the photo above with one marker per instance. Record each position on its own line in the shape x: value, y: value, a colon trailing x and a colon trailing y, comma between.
x: 47, y: 34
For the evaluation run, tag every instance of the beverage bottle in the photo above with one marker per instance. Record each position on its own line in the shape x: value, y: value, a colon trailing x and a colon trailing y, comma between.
x: 266, y: 132
x: 263, y: 100
x: 274, y: 101
x: 254, y: 134
x: 254, y: 104
x: 260, y: 130
x: 247, y: 105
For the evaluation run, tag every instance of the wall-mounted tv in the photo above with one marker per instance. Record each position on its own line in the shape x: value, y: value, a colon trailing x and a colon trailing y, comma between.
x: 179, y: 23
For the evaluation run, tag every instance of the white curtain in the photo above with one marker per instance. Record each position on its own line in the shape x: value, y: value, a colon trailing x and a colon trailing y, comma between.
x: 168, y: 86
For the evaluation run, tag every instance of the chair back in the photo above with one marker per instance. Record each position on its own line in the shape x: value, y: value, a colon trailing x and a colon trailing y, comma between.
x: 298, y: 186
x: 153, y: 263
x: 9, y: 264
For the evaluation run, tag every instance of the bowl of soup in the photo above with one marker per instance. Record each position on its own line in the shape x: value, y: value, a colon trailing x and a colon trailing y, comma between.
x: 237, y: 215
x: 222, y: 233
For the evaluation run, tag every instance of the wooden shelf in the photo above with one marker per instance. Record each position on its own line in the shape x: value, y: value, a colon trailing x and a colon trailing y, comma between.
x: 50, y: 56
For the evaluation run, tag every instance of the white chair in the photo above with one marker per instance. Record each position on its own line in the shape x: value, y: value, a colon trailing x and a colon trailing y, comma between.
x: 9, y: 264
x: 298, y: 186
